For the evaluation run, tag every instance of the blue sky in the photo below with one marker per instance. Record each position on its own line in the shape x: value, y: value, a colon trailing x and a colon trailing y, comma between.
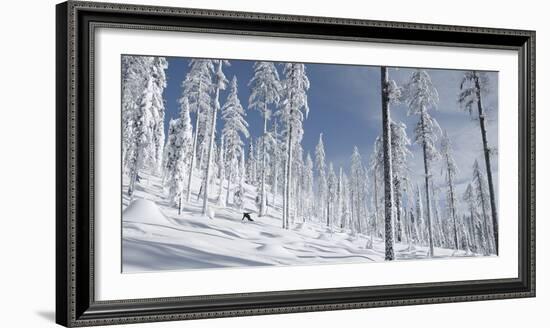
x: 345, y: 106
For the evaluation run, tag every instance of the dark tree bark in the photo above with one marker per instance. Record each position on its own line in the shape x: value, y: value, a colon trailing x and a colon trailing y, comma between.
x: 487, y: 154
x: 397, y: 192
x: 388, y: 175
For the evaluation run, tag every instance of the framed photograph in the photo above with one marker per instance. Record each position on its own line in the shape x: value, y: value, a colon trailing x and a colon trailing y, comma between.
x: 215, y: 164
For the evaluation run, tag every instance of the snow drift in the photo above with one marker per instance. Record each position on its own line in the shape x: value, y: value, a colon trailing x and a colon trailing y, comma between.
x: 143, y: 211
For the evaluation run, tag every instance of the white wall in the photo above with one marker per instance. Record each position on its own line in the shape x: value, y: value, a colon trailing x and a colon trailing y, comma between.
x: 27, y: 182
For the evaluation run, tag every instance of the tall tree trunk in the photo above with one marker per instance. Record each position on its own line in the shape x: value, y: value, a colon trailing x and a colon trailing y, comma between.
x: 472, y: 229
x: 229, y: 173
x: 427, y: 186
x: 263, y: 200
x: 487, y: 154
x: 211, y: 147
x: 275, y: 183
x: 397, y: 192
x: 193, y: 156
x: 288, y: 176
x: 439, y: 228
x: 221, y: 201
x: 136, y: 163
x: 388, y: 175
x: 376, y: 209
x: 484, y: 213
x: 453, y: 205
x: 328, y: 211
x: 339, y: 199
x: 358, y: 204
x: 408, y: 226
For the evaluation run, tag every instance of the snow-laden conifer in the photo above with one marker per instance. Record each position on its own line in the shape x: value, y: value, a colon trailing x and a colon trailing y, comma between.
x: 321, y: 167
x: 179, y: 145
x: 421, y: 96
x: 220, y: 83
x: 450, y: 171
x: 292, y: 111
x: 197, y: 88
x: 265, y: 90
x: 234, y: 127
x: 473, y: 87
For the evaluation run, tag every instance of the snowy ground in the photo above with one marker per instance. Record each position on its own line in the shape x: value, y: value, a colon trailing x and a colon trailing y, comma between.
x: 156, y: 238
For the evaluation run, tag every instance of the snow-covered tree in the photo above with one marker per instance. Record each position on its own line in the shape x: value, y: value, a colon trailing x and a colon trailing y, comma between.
x: 480, y: 184
x: 332, y: 187
x: 308, y: 185
x: 147, y: 122
x: 450, y: 171
x: 470, y: 198
x: 158, y: 71
x: 265, y: 90
x: 234, y: 126
x: 345, y: 202
x: 400, y: 152
x: 419, y: 217
x: 420, y: 96
x: 276, y: 155
x: 355, y: 181
x: 135, y: 75
x: 221, y: 172
x: 320, y: 166
x: 400, y: 144
x: 375, y: 166
x: 339, y: 199
x: 473, y: 86
x: 292, y: 109
x: 220, y: 83
x: 441, y: 239
x: 179, y: 144
x: 197, y: 88
x: 251, y: 164
x: 297, y: 181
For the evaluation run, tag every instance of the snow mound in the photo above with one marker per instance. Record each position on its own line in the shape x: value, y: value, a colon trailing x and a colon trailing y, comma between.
x: 143, y: 211
x: 324, y: 236
x: 275, y: 249
x: 211, y: 213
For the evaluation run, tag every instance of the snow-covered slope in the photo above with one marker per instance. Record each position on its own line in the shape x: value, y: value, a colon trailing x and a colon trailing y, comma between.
x: 155, y: 237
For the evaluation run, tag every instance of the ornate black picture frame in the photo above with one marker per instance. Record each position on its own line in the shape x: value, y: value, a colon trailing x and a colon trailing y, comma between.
x: 75, y: 301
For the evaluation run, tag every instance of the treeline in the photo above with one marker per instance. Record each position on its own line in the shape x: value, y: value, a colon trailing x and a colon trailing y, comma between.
x: 375, y: 198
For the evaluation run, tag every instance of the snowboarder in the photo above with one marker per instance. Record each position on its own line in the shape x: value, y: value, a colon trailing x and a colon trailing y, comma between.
x: 246, y: 215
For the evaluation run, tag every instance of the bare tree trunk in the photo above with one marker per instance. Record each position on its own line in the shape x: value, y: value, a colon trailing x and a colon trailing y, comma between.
x: 263, y: 200
x: 427, y: 187
x: 193, y: 157
x: 397, y: 192
x: 211, y: 148
x: 221, y: 201
x: 376, y: 209
x: 487, y: 154
x: 275, y: 183
x: 288, y: 176
x: 228, y: 184
x: 388, y: 175
x: 453, y: 205
x: 358, y: 204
